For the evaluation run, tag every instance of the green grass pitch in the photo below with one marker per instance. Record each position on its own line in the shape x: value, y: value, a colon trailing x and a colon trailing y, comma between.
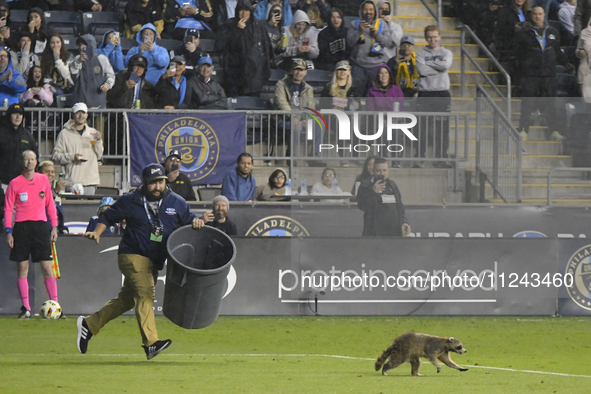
x: 295, y: 355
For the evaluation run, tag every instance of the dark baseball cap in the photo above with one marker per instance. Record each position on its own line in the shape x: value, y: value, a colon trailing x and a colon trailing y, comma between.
x: 15, y: 109
x: 407, y: 39
x: 153, y: 172
x: 175, y: 152
x: 192, y: 32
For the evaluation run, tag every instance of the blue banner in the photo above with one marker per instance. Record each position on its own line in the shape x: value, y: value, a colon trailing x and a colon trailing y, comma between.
x: 209, y: 143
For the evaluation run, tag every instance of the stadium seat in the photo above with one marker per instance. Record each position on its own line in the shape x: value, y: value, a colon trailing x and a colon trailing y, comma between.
x: 64, y: 22
x: 208, y: 193
x: 169, y: 45
x: 98, y: 23
x: 207, y: 46
x: 64, y: 100
x: 106, y: 191
x: 246, y: 102
x: 127, y: 44
x: 566, y: 85
x: 348, y: 19
x: 578, y: 123
x: 276, y: 76
x: 70, y: 44
x: 18, y: 19
x: 318, y: 80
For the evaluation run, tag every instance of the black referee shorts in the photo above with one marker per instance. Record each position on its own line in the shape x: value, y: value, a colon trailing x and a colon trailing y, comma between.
x: 31, y: 238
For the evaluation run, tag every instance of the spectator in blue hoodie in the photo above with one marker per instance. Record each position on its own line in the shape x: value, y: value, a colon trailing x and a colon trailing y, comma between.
x: 157, y: 56
x: 12, y: 83
x: 111, y: 48
x: 260, y: 12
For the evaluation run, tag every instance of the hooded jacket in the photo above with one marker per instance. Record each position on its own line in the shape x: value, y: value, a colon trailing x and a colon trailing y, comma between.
x: 168, y: 95
x: 23, y: 61
x: 310, y: 35
x: 379, y: 100
x: 262, y: 11
x: 317, y: 11
x: 90, y: 75
x: 69, y: 142
x: 39, y: 38
x: 333, y: 46
x: 123, y: 97
x: 362, y: 53
x: 433, y: 66
x: 396, y: 32
x: 112, y: 52
x: 12, y: 89
x: 173, y: 213
x: 13, y: 142
x: 207, y: 95
x: 158, y: 58
x: 247, y: 54
x: 275, y: 35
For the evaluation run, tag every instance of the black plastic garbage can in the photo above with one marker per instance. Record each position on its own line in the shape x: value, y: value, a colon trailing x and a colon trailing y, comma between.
x: 198, y: 263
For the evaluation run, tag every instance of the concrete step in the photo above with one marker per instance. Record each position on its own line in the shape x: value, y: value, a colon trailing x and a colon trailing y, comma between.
x: 540, y: 190
x: 540, y: 176
x: 468, y: 104
x: 419, y: 22
x: 472, y: 77
x: 481, y: 61
x: 532, y: 147
x: 529, y: 161
x: 418, y: 9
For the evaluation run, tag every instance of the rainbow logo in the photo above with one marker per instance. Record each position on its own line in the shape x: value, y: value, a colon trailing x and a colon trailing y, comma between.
x: 317, y: 117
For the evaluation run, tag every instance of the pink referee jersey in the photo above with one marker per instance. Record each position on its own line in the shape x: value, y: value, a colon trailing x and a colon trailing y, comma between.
x: 32, y: 199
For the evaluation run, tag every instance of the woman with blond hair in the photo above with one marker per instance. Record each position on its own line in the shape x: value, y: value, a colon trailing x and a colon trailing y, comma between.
x: 340, y: 88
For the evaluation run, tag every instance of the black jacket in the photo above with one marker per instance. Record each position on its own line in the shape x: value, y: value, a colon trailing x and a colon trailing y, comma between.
x: 86, y: 5
x: 227, y: 227
x: 182, y: 186
x: 333, y: 47
x: 505, y: 35
x: 167, y: 94
x: 381, y: 218
x: 122, y: 97
x: 532, y: 60
x: 208, y: 95
x: 247, y: 54
x: 135, y: 14
x: 12, y: 144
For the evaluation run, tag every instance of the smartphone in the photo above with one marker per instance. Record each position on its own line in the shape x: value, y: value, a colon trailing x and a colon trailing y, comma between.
x: 133, y: 77
x: 306, y: 42
x: 276, y: 12
x: 116, y: 34
x: 385, y: 13
x: 172, y: 68
x: 147, y: 40
x: 380, y: 178
x: 174, y: 167
x: 185, y: 5
x: 84, y: 160
x: 62, y: 175
x: 402, y: 52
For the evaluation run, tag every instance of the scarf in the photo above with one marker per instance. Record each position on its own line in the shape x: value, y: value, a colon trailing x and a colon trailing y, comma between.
x: 403, y: 79
x: 181, y: 87
x: 379, y: 26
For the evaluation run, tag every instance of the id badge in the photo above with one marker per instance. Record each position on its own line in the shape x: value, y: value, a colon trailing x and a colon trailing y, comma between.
x: 156, y: 234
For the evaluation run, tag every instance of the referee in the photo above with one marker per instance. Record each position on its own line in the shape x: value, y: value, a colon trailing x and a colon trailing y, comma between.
x: 31, y: 193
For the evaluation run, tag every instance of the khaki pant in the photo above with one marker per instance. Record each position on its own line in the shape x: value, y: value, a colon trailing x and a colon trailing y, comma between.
x: 138, y: 291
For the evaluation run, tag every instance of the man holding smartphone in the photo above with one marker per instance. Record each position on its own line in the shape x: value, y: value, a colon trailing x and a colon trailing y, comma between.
x: 175, y: 179
x: 404, y: 67
x: 380, y: 200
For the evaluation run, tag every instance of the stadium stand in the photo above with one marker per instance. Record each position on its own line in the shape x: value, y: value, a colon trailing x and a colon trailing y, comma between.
x: 64, y: 22
x: 98, y: 23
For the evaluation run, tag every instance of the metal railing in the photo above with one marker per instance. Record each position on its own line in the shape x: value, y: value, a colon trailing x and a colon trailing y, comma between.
x: 586, y: 181
x: 435, y: 14
x: 498, y: 150
x: 275, y: 136
x: 464, y: 54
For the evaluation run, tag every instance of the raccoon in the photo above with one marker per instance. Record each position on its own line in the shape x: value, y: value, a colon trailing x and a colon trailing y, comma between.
x: 410, y: 346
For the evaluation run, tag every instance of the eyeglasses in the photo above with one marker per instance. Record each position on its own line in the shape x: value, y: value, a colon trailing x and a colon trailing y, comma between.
x: 328, y: 175
x: 279, y: 177
x: 3, y: 56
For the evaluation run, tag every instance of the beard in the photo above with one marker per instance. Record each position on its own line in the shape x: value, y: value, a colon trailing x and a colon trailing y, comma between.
x: 154, y: 195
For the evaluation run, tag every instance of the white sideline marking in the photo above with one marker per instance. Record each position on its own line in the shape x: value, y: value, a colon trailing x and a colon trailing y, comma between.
x: 384, y: 301
x: 301, y: 355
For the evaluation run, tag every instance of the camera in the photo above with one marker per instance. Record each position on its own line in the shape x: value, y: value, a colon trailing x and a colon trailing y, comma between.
x: 174, y: 167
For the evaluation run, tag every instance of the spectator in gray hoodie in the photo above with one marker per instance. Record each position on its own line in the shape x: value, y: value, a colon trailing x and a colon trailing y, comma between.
x: 90, y: 86
x: 368, y: 36
x: 386, y: 13
x: 302, y: 40
x: 433, y: 64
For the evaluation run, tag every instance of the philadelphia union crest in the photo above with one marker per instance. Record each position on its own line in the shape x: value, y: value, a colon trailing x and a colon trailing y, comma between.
x: 197, y: 142
x: 277, y: 226
x: 579, y: 266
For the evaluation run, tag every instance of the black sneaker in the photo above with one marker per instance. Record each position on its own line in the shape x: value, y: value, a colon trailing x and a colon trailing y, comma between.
x: 25, y: 314
x: 84, y: 334
x: 155, y: 349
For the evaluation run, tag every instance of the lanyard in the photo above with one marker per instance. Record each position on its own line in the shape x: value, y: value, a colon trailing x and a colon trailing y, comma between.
x: 541, y: 40
x: 520, y: 15
x: 148, y: 209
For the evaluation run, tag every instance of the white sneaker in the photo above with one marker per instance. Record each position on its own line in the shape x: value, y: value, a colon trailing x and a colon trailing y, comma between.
x: 556, y: 136
x: 523, y: 135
